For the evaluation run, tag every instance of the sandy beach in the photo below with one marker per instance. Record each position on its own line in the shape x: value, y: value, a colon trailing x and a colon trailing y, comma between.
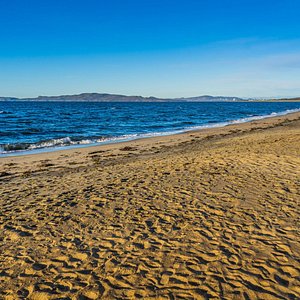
x: 211, y: 214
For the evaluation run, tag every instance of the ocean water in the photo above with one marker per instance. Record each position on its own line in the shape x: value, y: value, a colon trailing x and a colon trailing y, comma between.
x: 30, y: 127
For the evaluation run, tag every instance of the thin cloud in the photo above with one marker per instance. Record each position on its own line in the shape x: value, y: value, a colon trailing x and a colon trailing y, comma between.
x: 284, y: 61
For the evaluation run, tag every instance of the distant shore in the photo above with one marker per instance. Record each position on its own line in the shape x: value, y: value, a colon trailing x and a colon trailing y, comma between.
x: 105, y: 97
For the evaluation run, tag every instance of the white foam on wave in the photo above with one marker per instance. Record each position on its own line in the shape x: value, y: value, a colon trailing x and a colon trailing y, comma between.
x: 51, y: 143
x: 242, y: 120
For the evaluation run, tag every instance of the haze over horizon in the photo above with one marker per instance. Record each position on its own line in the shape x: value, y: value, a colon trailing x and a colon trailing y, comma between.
x: 165, y: 49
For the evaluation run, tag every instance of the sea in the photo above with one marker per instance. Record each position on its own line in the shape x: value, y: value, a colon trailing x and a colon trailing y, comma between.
x: 32, y: 127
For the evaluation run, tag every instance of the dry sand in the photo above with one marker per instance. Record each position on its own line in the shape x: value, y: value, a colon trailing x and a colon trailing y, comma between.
x: 211, y: 214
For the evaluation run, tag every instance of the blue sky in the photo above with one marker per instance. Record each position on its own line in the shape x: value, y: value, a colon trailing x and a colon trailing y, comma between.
x: 162, y: 48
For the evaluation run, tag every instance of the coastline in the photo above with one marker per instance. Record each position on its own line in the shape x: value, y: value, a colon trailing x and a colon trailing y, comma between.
x: 205, y: 213
x: 133, y: 137
x: 165, y: 140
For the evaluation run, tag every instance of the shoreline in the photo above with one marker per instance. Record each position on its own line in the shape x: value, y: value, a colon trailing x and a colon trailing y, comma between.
x: 120, y: 139
x: 145, y: 142
x: 205, y: 214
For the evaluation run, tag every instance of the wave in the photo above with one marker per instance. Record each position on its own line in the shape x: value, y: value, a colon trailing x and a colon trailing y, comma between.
x: 273, y: 114
x: 242, y: 120
x: 66, y: 141
x: 61, y: 142
x: 76, y: 141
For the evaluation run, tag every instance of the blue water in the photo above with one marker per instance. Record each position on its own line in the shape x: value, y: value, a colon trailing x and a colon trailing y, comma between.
x: 28, y: 127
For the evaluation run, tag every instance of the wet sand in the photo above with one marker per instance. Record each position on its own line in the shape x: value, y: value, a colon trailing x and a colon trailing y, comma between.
x: 210, y: 214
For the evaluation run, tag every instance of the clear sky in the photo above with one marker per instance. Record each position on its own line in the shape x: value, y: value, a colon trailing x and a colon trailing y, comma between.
x: 164, y: 48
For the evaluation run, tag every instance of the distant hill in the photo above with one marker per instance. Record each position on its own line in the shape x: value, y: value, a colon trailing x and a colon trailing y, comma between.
x: 96, y: 97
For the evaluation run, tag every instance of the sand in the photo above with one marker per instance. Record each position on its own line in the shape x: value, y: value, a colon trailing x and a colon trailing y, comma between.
x: 210, y: 214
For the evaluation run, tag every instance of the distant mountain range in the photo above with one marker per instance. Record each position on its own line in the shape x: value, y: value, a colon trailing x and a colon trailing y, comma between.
x: 97, y: 97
